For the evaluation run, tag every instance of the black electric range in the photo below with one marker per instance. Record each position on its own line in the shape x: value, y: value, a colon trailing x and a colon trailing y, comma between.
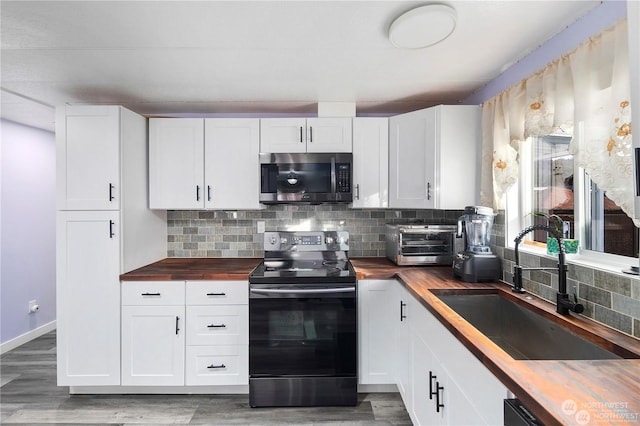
x: 302, y: 322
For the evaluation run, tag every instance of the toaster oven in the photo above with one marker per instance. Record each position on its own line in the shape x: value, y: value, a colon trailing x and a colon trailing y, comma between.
x: 422, y: 244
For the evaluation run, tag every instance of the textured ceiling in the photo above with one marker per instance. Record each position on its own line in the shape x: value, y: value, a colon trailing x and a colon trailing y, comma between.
x: 240, y: 57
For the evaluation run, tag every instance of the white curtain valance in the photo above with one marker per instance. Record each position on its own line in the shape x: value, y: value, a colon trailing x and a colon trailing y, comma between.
x: 590, y: 85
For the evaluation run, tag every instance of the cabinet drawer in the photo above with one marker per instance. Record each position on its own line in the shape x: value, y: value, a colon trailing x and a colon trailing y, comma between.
x: 154, y: 293
x: 217, y: 292
x: 217, y: 365
x: 218, y: 325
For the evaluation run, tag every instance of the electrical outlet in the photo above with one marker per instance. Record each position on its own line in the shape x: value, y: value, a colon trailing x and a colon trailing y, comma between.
x: 260, y: 226
x: 33, y: 306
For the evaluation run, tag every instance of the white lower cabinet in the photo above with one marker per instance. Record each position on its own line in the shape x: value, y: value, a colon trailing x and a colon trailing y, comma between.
x: 441, y: 382
x: 217, y: 351
x: 377, y: 317
x: 153, y: 336
x: 176, y: 333
x: 450, y: 385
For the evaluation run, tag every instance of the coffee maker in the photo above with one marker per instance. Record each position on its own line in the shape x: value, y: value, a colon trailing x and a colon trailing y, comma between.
x: 477, y: 262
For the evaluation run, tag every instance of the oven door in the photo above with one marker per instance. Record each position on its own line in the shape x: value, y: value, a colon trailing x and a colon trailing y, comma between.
x: 302, y: 330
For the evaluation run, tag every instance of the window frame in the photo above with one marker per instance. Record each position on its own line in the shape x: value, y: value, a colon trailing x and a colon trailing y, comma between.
x: 518, y: 202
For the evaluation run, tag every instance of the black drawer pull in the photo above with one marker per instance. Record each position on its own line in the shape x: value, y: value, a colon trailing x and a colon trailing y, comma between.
x: 150, y: 294
x: 217, y: 366
x: 439, y: 404
x: 432, y: 377
x: 216, y: 326
x: 216, y: 294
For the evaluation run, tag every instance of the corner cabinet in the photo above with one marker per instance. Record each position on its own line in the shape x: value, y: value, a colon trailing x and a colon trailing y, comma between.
x: 199, y: 163
x: 434, y: 157
x: 287, y: 135
x: 441, y: 382
x: 103, y: 229
x: 370, y: 162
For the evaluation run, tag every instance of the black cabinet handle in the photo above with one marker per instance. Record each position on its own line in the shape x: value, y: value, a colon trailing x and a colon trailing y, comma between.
x: 111, y: 233
x: 217, y: 366
x: 402, y: 315
x: 432, y: 377
x: 208, y: 192
x: 197, y: 192
x: 439, y: 404
x: 357, y: 191
x: 216, y: 294
x: 111, y: 191
x: 177, y: 322
x: 216, y: 326
x: 428, y: 190
x: 301, y: 134
x: 310, y: 134
x: 150, y: 294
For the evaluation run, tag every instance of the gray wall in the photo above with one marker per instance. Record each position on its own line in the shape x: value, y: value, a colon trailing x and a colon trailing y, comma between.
x: 233, y: 234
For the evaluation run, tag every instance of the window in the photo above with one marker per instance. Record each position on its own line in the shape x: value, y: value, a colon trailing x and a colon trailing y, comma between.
x: 553, y: 185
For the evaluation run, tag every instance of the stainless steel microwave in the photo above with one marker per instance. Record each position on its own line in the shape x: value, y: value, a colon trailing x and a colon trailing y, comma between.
x: 306, y: 178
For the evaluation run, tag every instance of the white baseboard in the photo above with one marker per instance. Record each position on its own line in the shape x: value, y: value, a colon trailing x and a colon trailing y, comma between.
x: 27, y: 337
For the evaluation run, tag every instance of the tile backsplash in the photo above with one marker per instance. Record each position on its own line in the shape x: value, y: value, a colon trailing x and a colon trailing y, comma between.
x: 234, y: 233
x: 610, y: 298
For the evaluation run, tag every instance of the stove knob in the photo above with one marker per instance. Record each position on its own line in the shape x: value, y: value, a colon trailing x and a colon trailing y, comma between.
x: 273, y: 240
x: 329, y: 240
x: 283, y: 241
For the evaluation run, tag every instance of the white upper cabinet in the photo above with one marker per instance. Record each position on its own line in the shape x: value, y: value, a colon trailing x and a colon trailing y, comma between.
x: 88, y: 158
x: 199, y: 163
x: 434, y: 157
x: 231, y: 166
x: 176, y: 163
x: 288, y: 135
x: 370, y: 162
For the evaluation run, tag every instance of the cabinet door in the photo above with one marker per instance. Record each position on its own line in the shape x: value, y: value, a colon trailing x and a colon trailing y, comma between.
x: 329, y: 135
x: 401, y: 344
x: 88, y: 298
x: 153, y: 345
x: 283, y: 135
x: 459, y: 141
x: 88, y: 158
x: 176, y: 163
x: 409, y: 171
x: 377, y: 318
x: 428, y: 386
x: 370, y: 162
x: 232, y: 178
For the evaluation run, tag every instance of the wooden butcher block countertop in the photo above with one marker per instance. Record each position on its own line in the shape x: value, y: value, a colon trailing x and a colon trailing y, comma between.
x: 607, y: 390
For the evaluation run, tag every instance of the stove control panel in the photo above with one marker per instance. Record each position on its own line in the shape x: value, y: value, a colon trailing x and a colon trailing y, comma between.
x: 306, y: 241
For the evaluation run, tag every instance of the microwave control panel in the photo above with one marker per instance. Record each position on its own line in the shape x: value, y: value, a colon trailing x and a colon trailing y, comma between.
x: 343, y: 178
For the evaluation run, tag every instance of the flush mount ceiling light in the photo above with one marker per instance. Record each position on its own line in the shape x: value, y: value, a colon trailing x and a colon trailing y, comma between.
x: 423, y: 26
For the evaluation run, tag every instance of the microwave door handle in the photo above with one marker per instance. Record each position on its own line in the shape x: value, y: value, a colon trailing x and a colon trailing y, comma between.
x: 299, y: 291
x: 333, y: 175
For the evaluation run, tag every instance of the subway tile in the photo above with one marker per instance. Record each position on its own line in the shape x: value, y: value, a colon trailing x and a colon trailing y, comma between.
x: 613, y: 319
x: 596, y: 295
x: 581, y: 273
x: 614, y: 283
x: 636, y: 327
x: 625, y: 305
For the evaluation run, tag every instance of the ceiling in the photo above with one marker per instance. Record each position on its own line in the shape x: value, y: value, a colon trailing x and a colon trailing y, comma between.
x: 255, y: 57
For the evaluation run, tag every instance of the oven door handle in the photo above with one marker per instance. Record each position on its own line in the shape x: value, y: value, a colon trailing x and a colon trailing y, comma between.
x: 307, y: 291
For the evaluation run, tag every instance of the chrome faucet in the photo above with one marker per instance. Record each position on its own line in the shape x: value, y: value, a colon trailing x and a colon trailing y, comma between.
x: 563, y: 303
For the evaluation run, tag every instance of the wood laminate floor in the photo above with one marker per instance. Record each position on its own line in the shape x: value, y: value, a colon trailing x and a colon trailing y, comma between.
x: 29, y: 395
